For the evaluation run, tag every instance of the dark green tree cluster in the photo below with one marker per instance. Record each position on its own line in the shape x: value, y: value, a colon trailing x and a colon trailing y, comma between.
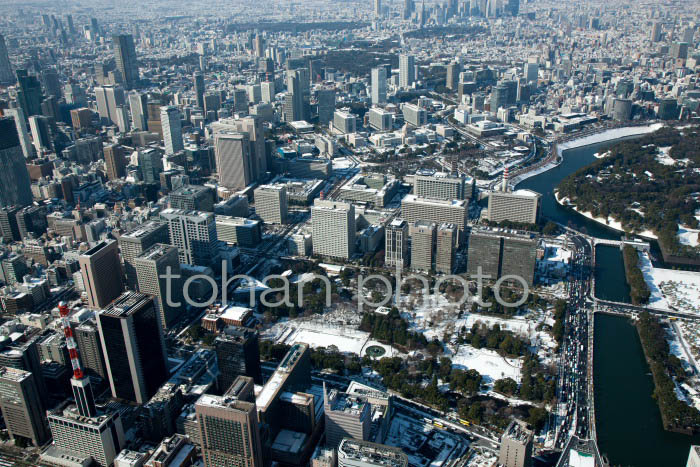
x: 494, y: 338
x: 664, y: 366
x: 619, y: 185
x: 559, y: 314
x: 392, y: 329
x: 639, y: 290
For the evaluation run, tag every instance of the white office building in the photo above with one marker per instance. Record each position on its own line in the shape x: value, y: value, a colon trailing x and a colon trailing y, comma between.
x: 333, y: 229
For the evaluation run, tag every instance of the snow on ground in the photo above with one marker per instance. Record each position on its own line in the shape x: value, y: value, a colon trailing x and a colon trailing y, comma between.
x: 671, y: 289
x: 608, y: 135
x: 664, y: 158
x: 342, y: 163
x: 314, y: 334
x: 657, y: 299
x: 598, y: 155
x: 687, y: 391
x: 488, y: 363
x: 611, y: 222
x: 688, y: 236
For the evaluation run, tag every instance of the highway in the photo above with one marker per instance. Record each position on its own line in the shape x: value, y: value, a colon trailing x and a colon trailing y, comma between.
x: 574, y: 398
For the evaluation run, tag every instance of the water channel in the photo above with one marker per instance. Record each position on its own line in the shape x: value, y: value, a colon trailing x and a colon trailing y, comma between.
x: 629, y: 426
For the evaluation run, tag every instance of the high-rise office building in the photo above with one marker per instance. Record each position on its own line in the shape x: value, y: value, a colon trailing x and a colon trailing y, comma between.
x: 192, y: 198
x: 41, y: 133
x: 132, y: 341
x: 87, y: 338
x: 135, y: 242
x: 8, y: 223
x: 516, y: 446
x: 6, y: 75
x: 325, y: 98
x: 452, y: 78
x: 238, y: 354
x: 407, y: 70
x: 198, y: 79
x: 408, y: 9
x: 422, y: 245
x: 358, y: 453
x: 22, y: 132
x: 294, y: 104
x: 445, y: 242
x: 485, y: 253
x: 517, y: 206
x: 115, y: 161
x: 233, y: 230
x: 138, y: 105
x: 396, y: 243
x: 440, y: 185
x: 99, y: 437
x: 108, y: 98
x: 502, y: 255
x: 172, y: 129
x: 151, y: 266
x: 380, y: 119
x: 29, y: 94
x: 233, y: 160
x: 518, y: 258
x: 22, y: 406
x: 15, y: 185
x: 333, y: 227
x: 229, y: 432
x: 267, y: 91
x: 125, y: 56
x: 240, y: 100
x: 347, y: 416
x: 414, y: 115
x: 123, y: 122
x: 271, y: 203
x: 378, y: 8
x: 101, y: 273
x: 379, y: 85
x: 344, y: 121
x: 194, y: 235
x: 414, y: 209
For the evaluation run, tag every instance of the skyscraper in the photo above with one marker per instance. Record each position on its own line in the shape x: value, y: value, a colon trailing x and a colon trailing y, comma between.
x: 233, y: 160
x: 115, y: 162
x: 29, y: 94
x: 378, y: 85
x: 229, y: 432
x: 396, y: 243
x: 445, y: 241
x: 422, y: 243
x: 151, y: 265
x: 138, y: 104
x: 347, y: 416
x: 271, y: 203
x: 100, y: 269
x: 22, y: 407
x: 133, y: 346
x: 172, y: 129
x: 87, y: 338
x: 452, y: 79
x: 41, y: 134
x: 325, y: 99
x: 135, y: 242
x: 333, y: 226
x: 199, y: 89
x: 238, y: 355
x: 125, y: 56
x: 294, y: 104
x: 194, y: 235
x: 22, y: 132
x: 108, y: 99
x: 15, y: 185
x: 6, y: 75
x: 377, y: 8
x: 407, y: 70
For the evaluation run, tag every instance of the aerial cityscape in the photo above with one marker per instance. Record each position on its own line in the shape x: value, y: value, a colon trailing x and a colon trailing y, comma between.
x: 350, y: 233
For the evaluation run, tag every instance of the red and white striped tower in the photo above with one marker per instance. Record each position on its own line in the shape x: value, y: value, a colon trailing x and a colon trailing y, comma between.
x: 504, y: 188
x: 82, y: 392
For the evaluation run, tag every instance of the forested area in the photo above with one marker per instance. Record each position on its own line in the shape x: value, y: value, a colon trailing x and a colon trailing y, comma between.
x: 639, y: 290
x: 635, y: 188
x: 665, y: 367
